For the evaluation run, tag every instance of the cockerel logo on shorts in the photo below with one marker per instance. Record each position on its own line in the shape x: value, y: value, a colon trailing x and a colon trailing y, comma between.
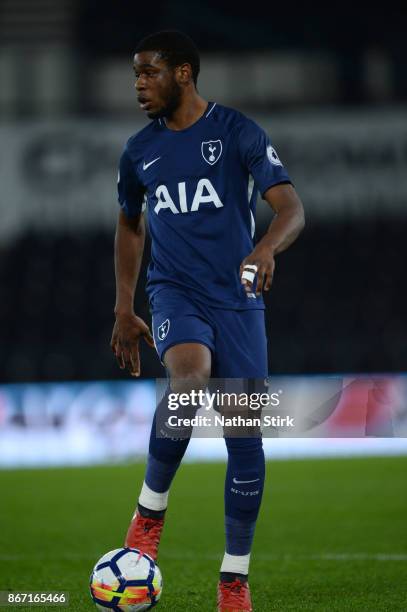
x: 163, y: 329
x: 211, y: 151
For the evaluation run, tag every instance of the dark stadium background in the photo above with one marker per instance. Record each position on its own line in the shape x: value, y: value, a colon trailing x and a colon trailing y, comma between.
x: 338, y: 300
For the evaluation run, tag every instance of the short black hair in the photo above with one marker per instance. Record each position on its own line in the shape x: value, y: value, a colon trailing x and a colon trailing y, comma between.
x: 174, y: 47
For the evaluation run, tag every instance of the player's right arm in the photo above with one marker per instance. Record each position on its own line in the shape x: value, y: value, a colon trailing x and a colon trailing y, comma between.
x: 128, y: 253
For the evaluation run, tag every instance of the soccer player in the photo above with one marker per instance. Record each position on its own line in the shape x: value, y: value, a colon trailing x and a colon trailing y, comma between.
x: 197, y: 168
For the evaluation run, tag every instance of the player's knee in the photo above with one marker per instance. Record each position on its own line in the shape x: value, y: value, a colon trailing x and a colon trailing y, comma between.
x: 189, y: 366
x: 187, y: 380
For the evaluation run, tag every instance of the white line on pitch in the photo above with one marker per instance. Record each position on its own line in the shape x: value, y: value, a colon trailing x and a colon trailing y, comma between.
x: 216, y: 557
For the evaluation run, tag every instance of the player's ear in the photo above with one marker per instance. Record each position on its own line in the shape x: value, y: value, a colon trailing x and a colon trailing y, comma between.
x: 184, y: 74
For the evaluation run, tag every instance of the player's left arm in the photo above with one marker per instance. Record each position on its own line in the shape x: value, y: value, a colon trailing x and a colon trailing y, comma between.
x: 286, y: 225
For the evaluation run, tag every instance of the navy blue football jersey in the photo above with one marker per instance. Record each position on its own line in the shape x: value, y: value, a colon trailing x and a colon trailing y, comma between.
x: 200, y: 187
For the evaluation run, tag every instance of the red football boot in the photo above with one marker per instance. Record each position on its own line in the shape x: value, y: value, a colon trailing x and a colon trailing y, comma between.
x: 145, y: 533
x: 234, y: 597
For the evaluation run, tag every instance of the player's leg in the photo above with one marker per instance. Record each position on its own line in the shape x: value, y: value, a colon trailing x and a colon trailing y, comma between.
x: 241, y: 352
x: 189, y: 367
x: 244, y: 484
x: 184, y: 350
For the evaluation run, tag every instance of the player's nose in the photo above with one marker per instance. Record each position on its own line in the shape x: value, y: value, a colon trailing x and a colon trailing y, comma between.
x: 140, y: 84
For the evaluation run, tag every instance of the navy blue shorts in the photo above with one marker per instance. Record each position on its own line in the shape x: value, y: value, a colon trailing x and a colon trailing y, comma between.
x: 237, y: 338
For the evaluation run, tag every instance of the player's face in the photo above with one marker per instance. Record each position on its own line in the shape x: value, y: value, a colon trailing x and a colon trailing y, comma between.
x: 158, y: 91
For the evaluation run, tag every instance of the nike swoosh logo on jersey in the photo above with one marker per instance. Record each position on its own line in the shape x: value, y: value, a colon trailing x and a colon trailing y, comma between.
x: 244, y: 481
x: 145, y: 166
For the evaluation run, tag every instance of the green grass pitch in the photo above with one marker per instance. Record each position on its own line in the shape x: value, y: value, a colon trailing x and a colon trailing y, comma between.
x: 332, y: 534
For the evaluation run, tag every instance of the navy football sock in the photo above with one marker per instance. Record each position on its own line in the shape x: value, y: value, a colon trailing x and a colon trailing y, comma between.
x: 159, y: 474
x: 243, y: 492
x: 239, y: 536
x: 166, y: 449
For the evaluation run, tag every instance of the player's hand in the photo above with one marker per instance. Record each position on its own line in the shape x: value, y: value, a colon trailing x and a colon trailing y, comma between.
x: 127, y: 331
x: 260, y: 262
